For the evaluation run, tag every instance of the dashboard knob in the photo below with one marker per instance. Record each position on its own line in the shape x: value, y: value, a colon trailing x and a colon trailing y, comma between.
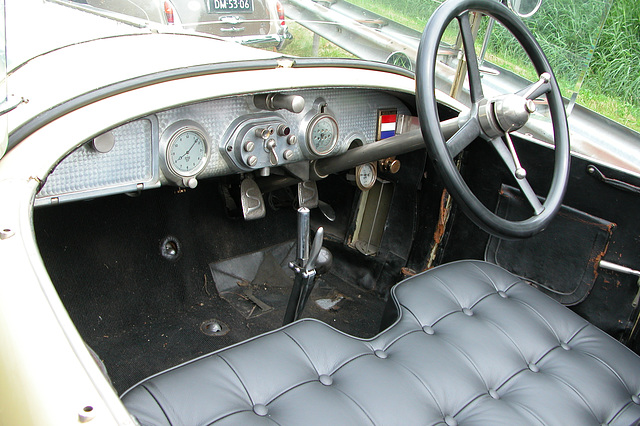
x: 192, y: 182
x: 276, y: 101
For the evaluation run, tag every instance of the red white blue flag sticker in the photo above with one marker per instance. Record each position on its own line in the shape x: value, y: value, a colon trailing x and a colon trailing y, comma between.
x: 387, y: 123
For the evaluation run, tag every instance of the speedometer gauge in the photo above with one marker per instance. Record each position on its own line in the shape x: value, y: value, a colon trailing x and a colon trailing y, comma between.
x: 185, y: 152
x: 322, y: 134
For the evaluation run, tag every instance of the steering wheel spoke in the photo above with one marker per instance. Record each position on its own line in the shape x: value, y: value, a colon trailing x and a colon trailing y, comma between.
x: 464, y: 136
x: 538, y: 88
x: 475, y: 81
x: 490, y: 119
x: 513, y: 164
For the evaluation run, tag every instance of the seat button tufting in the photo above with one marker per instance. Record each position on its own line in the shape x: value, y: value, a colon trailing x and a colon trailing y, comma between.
x: 533, y: 367
x: 468, y: 312
x: 503, y: 294
x: 326, y: 380
x: 494, y: 394
x: 565, y: 346
x: 635, y: 399
x: 380, y: 354
x: 428, y: 329
x: 260, y: 409
x: 450, y: 421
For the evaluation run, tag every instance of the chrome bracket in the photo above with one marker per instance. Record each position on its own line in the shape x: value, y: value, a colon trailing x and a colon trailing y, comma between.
x: 12, y: 102
x: 624, y: 270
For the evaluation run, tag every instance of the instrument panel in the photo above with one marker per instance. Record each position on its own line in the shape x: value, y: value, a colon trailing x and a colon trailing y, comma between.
x: 239, y: 134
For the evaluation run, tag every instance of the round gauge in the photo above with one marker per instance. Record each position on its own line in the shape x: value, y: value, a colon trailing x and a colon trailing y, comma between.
x: 187, y: 152
x: 184, y: 151
x: 366, y: 175
x: 322, y: 134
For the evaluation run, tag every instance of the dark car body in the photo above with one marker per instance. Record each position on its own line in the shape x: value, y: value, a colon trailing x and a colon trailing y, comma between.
x: 258, y: 23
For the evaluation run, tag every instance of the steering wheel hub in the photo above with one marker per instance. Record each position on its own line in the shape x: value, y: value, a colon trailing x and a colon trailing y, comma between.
x: 512, y: 111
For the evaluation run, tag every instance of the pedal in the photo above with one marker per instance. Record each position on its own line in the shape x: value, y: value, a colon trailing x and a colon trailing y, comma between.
x: 253, y: 206
x: 308, y: 194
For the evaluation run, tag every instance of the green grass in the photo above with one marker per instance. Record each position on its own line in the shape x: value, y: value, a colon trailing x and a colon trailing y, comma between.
x: 615, y: 70
x: 625, y: 113
x: 605, y: 72
x: 302, y: 44
x: 411, y: 13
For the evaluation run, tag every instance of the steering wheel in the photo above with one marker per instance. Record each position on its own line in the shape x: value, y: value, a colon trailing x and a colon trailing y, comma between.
x: 491, y: 119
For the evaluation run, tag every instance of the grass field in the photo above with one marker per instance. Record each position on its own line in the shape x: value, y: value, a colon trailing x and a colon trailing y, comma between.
x: 605, y: 71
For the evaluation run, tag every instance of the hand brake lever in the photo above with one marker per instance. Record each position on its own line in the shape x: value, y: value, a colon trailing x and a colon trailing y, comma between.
x: 303, y: 267
x: 315, y: 250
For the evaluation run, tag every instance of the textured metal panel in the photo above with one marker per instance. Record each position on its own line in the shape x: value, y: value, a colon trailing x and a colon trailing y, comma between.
x: 131, y: 161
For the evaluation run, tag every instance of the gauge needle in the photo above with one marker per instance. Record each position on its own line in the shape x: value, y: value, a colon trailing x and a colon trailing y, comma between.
x: 194, y: 144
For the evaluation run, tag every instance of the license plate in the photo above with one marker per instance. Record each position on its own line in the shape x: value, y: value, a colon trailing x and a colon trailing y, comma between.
x: 224, y: 6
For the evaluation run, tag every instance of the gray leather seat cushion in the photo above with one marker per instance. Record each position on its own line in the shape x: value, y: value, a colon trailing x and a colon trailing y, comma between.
x: 473, y: 345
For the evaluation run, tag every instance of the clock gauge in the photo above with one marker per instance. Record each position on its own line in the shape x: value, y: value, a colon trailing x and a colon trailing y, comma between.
x: 185, y: 152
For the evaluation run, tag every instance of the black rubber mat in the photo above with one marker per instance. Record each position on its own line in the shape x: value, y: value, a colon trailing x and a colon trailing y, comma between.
x: 563, y: 259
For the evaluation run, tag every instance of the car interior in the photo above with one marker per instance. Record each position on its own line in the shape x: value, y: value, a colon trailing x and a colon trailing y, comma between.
x: 345, y: 260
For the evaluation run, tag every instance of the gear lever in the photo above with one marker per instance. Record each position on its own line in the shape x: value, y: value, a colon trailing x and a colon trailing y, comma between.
x: 304, y: 267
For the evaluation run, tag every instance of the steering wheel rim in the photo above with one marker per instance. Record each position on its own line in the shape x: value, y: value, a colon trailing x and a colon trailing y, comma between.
x: 440, y: 150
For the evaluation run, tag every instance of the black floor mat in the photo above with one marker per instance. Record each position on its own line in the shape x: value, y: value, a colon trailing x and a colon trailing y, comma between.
x: 136, y: 351
x: 141, y: 312
x: 562, y: 261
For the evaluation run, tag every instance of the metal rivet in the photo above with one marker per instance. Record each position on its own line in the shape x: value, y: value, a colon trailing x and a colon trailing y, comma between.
x: 260, y: 410
x: 428, y: 329
x: 252, y: 160
x: 87, y: 414
x: 6, y: 233
x: 326, y: 380
x: 380, y: 354
x: 249, y: 146
x: 468, y: 312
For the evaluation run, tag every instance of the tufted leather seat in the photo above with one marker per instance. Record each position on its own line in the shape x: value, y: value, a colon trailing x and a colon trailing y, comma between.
x: 473, y: 345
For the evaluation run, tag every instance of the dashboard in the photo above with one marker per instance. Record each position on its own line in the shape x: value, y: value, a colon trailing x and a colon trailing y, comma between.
x: 240, y: 134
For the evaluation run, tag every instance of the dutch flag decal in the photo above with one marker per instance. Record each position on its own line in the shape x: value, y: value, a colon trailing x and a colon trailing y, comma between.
x: 387, y: 125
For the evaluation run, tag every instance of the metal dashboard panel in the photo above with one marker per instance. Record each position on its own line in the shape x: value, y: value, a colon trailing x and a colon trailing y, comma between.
x: 355, y: 110
x: 87, y: 173
x: 133, y: 163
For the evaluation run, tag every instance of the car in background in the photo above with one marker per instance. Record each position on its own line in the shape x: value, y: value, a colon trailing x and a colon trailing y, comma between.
x: 257, y: 23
